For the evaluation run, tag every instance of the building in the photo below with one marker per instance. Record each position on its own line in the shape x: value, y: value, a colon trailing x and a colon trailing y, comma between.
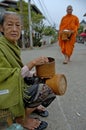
x: 83, y: 23
x: 84, y: 15
x: 5, y: 4
x: 35, y: 9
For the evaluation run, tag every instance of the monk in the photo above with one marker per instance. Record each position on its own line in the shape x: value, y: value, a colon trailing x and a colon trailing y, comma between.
x: 67, y: 33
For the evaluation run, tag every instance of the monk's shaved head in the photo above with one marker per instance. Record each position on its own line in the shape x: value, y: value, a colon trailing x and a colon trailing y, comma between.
x: 69, y: 6
x: 69, y: 9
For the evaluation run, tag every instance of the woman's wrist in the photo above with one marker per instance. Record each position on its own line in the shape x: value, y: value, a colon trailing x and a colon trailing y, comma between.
x: 31, y: 64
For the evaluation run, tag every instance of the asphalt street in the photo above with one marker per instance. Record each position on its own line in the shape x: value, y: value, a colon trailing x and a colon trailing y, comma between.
x: 67, y: 112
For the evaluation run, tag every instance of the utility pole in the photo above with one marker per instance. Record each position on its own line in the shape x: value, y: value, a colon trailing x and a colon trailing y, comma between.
x: 21, y: 11
x: 30, y: 23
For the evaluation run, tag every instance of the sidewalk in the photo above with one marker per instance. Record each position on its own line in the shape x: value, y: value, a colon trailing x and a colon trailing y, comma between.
x: 67, y: 112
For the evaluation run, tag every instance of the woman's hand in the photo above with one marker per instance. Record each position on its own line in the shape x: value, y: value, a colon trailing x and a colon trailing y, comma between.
x: 41, y: 60
x: 38, y: 61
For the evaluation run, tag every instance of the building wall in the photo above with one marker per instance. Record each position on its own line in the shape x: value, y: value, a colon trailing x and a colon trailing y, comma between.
x: 2, y: 9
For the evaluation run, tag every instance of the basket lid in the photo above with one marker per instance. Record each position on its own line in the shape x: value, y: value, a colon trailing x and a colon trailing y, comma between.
x: 58, y: 83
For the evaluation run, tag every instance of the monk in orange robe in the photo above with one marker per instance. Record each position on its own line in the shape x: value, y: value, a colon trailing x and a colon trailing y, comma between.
x: 67, y: 33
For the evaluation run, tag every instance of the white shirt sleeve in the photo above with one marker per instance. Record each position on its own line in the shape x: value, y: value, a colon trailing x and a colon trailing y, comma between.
x: 26, y: 72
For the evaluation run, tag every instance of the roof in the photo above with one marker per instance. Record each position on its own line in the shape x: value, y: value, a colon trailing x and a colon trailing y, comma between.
x: 83, y: 22
x: 84, y: 15
x: 13, y: 4
x: 9, y: 3
x: 4, y: 5
x: 34, y: 8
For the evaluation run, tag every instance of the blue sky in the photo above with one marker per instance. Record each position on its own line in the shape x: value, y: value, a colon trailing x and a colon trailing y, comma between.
x: 55, y: 9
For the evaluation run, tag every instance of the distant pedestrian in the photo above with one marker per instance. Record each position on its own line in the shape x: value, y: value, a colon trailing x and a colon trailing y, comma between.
x: 67, y: 33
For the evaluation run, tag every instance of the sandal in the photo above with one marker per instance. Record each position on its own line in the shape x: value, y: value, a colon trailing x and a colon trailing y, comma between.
x: 42, y: 113
x: 43, y: 125
x: 65, y: 62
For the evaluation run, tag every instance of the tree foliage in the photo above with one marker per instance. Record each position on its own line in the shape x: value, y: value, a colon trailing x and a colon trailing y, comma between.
x: 36, y: 18
x: 37, y: 21
x: 80, y: 30
x: 48, y: 30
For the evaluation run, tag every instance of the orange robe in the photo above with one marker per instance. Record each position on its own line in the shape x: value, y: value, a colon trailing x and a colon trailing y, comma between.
x: 68, y: 22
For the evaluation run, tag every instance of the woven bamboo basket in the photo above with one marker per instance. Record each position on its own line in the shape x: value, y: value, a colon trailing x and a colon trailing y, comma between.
x: 5, y: 118
x: 58, y: 84
x: 46, y: 70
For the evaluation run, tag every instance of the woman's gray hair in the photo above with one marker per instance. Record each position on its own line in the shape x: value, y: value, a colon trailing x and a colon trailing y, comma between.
x: 3, y: 14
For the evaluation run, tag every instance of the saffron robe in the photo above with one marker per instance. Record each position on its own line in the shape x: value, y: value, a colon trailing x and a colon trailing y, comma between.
x: 11, y: 81
x: 68, y: 22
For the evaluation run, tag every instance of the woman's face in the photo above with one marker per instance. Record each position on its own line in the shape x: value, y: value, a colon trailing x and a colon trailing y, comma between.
x: 12, y: 27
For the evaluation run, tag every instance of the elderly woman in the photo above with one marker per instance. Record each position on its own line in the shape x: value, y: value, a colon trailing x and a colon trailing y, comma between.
x: 14, y: 92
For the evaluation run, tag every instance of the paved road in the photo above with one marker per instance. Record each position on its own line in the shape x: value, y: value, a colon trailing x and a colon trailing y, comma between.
x: 67, y: 112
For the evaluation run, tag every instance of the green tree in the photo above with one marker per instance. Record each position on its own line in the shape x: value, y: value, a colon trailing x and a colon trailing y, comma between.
x: 51, y: 31
x: 48, y: 30
x: 36, y: 18
x: 80, y: 30
x: 37, y: 22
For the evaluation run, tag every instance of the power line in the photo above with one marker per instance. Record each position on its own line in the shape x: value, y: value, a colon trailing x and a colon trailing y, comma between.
x: 47, y: 11
x: 43, y: 10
